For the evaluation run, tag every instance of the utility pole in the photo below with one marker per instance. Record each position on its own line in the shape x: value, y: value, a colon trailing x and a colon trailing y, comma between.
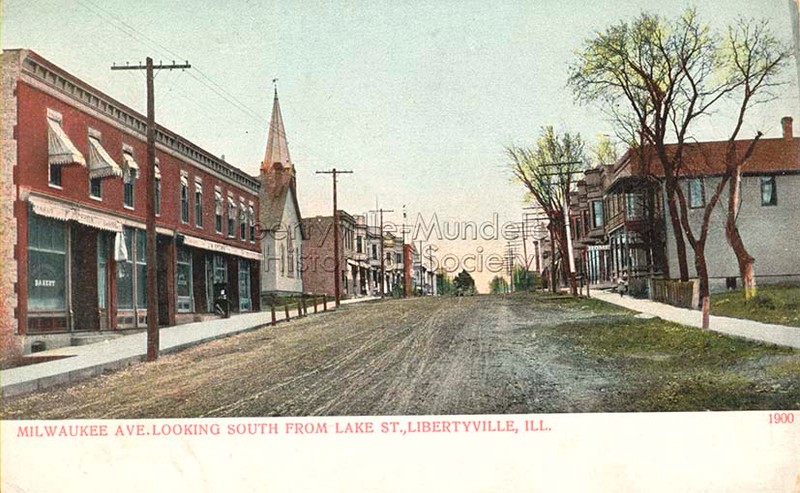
x: 383, y: 258
x: 405, y: 294
x: 150, y: 208
x: 567, y: 230
x: 336, y: 275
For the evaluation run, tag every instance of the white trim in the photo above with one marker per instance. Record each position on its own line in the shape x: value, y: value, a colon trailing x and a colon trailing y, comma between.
x: 69, y: 212
x: 213, y: 246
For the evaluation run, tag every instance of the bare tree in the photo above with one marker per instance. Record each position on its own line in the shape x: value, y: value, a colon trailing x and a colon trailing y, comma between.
x: 655, y: 79
x: 547, y: 172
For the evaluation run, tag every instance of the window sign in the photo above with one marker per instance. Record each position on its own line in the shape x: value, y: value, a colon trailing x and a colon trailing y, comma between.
x: 46, y: 264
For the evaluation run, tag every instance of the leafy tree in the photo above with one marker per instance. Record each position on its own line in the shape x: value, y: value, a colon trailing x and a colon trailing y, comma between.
x: 444, y: 283
x: 524, y: 279
x: 604, y: 152
x: 547, y: 171
x: 498, y: 285
x: 656, y: 79
x: 464, y: 283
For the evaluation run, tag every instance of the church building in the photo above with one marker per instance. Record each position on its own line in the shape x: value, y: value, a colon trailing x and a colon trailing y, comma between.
x: 280, y: 220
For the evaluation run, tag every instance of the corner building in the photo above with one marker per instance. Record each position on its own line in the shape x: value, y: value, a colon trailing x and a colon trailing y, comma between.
x: 74, y: 209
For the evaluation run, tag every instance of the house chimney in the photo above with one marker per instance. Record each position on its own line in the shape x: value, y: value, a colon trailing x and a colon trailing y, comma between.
x: 786, y: 122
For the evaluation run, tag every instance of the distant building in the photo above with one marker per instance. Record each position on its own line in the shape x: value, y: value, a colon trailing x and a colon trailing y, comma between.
x: 72, y: 209
x: 319, y: 260
x: 280, y: 219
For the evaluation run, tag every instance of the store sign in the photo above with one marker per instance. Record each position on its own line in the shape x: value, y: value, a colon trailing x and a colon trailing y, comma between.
x: 44, y: 283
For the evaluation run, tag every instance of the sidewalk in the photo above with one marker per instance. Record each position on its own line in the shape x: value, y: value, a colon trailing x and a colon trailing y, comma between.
x: 92, y: 359
x: 747, y: 329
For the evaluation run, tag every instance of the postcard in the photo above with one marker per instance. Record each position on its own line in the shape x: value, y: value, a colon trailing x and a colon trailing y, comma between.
x: 390, y: 247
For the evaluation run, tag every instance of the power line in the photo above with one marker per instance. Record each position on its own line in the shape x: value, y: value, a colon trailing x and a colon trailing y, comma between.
x: 208, y: 83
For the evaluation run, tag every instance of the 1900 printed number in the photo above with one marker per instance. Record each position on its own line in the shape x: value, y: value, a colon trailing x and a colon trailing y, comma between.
x: 781, y: 418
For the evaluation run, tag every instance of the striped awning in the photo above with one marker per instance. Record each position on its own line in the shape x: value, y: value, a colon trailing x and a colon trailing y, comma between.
x: 61, y: 150
x: 130, y: 164
x: 101, y: 165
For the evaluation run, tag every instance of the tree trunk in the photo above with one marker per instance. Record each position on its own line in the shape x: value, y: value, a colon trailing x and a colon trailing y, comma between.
x: 702, y: 273
x: 677, y: 229
x: 743, y: 257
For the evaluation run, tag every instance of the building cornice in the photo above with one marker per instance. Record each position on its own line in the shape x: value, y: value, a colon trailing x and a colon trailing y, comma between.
x: 58, y: 83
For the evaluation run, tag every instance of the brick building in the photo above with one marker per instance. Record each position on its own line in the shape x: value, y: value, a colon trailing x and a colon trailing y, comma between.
x: 73, y: 213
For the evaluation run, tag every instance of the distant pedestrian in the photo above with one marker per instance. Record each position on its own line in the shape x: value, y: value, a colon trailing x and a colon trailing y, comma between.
x: 622, y: 283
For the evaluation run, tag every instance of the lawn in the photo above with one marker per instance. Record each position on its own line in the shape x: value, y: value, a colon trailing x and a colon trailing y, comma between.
x: 775, y: 304
x: 670, y: 367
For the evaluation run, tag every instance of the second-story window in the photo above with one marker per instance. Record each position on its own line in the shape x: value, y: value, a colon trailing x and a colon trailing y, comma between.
x: 95, y: 188
x: 697, y: 195
x: 769, y: 191
x: 231, y: 218
x: 184, y: 199
x: 102, y: 166
x: 597, y: 214
x: 128, y: 179
x: 251, y: 217
x: 198, y: 204
x: 359, y: 245
x: 158, y: 189
x: 61, y: 150
x: 218, y: 211
x: 242, y: 222
x: 130, y: 172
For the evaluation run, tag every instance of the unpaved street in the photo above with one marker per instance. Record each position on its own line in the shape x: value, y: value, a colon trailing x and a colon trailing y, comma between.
x: 482, y: 354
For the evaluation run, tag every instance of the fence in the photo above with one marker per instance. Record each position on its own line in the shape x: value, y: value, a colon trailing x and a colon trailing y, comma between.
x: 677, y: 293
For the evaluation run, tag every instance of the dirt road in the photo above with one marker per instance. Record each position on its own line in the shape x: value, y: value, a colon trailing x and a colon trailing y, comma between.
x: 482, y: 354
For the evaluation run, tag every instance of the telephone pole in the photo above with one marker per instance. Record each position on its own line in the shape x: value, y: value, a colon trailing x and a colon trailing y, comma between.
x: 383, y: 259
x: 150, y: 207
x: 337, y: 274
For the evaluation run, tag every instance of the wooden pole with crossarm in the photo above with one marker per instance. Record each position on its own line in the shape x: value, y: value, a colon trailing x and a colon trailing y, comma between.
x: 150, y: 208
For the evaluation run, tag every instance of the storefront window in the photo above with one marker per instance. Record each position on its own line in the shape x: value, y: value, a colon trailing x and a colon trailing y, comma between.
x: 46, y: 264
x: 125, y: 273
x: 245, y: 304
x: 184, y: 280
x: 102, y: 270
x: 141, y: 269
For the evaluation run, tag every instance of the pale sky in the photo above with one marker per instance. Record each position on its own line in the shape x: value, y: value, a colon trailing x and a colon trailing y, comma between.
x: 417, y: 98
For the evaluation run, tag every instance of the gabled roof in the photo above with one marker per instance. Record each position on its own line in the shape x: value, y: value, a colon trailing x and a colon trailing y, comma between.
x: 770, y: 156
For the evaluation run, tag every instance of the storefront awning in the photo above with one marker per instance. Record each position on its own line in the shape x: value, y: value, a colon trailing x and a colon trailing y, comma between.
x: 101, y: 165
x: 61, y: 150
x: 66, y: 212
x: 213, y: 246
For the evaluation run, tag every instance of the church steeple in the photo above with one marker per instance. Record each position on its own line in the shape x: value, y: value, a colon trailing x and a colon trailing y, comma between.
x: 277, y: 147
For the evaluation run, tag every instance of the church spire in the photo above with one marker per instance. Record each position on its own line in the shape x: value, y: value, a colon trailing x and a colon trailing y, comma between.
x: 277, y: 147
